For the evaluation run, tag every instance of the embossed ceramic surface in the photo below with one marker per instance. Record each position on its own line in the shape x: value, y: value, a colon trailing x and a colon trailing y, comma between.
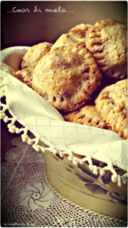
x: 73, y: 181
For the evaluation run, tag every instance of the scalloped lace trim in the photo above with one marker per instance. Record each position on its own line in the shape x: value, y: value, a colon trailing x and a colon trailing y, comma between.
x: 39, y: 146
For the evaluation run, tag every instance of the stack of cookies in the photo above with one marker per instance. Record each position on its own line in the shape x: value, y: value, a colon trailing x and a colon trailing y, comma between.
x: 83, y: 74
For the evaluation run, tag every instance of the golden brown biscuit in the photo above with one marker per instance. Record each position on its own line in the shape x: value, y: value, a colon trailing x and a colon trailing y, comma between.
x: 87, y: 115
x: 106, y: 39
x: 80, y: 30
x: 24, y: 75
x: 34, y: 54
x: 111, y: 104
x: 66, y: 39
x: 75, y: 35
x: 66, y: 77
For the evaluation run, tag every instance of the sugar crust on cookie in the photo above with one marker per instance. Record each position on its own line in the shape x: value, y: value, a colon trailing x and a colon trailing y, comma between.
x: 34, y: 54
x: 112, y: 106
x: 24, y: 75
x: 87, y: 115
x: 67, y: 76
x: 74, y: 35
x: 106, y: 39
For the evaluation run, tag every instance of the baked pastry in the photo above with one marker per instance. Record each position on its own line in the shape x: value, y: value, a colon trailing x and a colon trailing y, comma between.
x: 111, y: 104
x: 66, y: 39
x: 24, y: 75
x: 66, y: 77
x: 75, y: 35
x: 34, y: 54
x: 106, y: 39
x: 80, y: 30
x: 87, y: 115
